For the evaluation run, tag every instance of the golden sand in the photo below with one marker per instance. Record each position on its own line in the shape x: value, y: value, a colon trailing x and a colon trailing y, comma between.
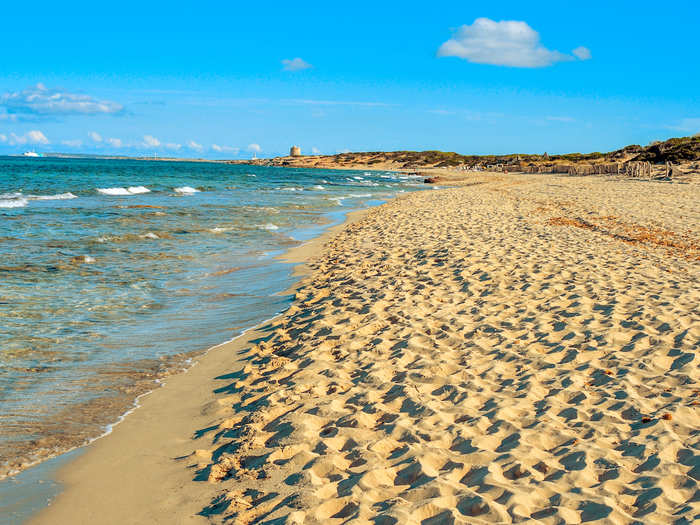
x: 521, y: 349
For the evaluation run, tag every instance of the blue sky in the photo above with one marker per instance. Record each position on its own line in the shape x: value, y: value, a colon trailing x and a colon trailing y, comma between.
x: 227, y: 79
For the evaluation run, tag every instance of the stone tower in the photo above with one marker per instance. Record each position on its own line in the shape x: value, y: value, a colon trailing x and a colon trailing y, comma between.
x: 295, y: 151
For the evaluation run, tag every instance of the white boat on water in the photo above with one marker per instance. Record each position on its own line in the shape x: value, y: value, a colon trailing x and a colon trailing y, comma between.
x: 31, y: 154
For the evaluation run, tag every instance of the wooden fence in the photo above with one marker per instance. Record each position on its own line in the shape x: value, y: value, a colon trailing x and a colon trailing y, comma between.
x: 636, y: 170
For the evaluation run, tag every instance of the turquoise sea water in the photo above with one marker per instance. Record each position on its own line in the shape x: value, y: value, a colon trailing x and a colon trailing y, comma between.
x: 113, y: 270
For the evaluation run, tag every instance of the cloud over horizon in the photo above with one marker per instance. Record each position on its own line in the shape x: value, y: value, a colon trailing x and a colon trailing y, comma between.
x: 295, y: 64
x: 149, y: 141
x: 509, y: 43
x: 38, y: 101
x: 34, y: 137
x: 688, y: 124
x: 225, y: 149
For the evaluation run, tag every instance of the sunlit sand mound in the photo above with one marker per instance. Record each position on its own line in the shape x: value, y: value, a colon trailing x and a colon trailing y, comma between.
x: 477, y: 355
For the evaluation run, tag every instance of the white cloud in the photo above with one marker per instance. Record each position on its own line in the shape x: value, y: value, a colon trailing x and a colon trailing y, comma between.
x: 75, y: 143
x: 115, y: 143
x: 582, y: 53
x: 40, y: 100
x: 173, y: 146
x: 295, y: 64
x: 149, y: 141
x: 506, y: 43
x: 4, y: 115
x: 3, y: 138
x: 30, y: 137
x: 254, y: 148
x: 315, y: 151
x: 691, y: 125
x: 224, y: 149
x: 342, y: 150
x: 36, y: 137
x: 94, y: 136
x: 194, y: 145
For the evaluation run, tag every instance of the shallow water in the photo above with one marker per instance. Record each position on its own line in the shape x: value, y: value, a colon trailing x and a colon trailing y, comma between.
x: 114, y: 272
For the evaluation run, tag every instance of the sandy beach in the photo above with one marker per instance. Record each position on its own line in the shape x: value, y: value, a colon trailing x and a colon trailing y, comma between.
x: 518, y: 347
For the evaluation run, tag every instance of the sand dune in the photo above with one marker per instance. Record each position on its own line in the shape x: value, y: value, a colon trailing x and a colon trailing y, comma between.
x: 475, y: 355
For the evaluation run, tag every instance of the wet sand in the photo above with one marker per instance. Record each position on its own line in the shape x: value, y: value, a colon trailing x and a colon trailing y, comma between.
x: 521, y: 348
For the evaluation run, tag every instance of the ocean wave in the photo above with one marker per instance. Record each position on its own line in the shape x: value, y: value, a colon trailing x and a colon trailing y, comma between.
x: 357, y: 196
x: 185, y: 190
x: 57, y: 197
x: 269, y: 226
x: 13, y: 195
x: 132, y: 190
x: 339, y: 199
x: 291, y: 188
x: 319, y: 187
x: 138, y: 189
x: 13, y: 203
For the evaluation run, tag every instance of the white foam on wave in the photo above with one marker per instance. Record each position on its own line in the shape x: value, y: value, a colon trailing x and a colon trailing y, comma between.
x: 113, y: 191
x: 185, y: 190
x: 138, y: 189
x: 219, y: 229
x: 292, y: 188
x: 13, y: 195
x: 131, y: 190
x: 319, y: 187
x: 13, y: 203
x: 269, y: 226
x: 150, y: 235
x: 57, y: 197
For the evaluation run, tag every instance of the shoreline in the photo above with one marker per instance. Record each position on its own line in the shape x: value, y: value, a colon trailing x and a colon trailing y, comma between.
x: 298, y: 256
x: 49, y: 437
x: 450, y: 355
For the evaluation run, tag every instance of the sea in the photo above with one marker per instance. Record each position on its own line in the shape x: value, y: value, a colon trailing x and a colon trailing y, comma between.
x: 116, y: 273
